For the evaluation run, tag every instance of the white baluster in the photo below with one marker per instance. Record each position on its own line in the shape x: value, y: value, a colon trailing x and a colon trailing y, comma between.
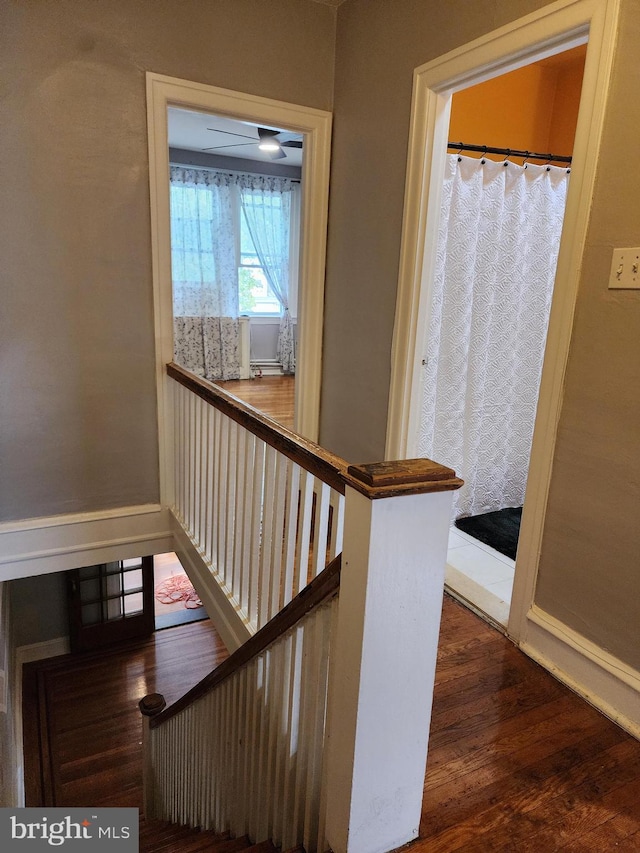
x: 267, y: 535
x: 291, y: 524
x: 320, y: 532
x: 304, y: 530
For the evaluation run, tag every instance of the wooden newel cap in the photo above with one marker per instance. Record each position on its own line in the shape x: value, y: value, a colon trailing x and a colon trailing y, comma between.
x: 404, y: 476
x: 152, y: 704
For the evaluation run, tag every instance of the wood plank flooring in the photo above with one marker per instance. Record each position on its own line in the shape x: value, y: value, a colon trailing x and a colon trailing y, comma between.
x: 516, y: 761
x: 81, y: 713
x: 273, y: 395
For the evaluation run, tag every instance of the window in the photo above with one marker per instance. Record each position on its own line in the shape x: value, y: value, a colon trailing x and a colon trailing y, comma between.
x: 218, y: 269
x: 255, y: 294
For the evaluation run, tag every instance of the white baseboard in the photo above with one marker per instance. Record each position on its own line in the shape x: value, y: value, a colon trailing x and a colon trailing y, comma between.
x: 37, y: 546
x: 224, y: 611
x: 41, y: 651
x: 605, y: 682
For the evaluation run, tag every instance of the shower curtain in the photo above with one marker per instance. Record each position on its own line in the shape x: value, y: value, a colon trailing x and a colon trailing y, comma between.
x: 487, y: 324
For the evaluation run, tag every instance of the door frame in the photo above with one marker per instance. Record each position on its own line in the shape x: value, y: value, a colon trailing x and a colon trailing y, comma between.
x: 553, y: 29
x: 163, y: 92
x: 112, y: 628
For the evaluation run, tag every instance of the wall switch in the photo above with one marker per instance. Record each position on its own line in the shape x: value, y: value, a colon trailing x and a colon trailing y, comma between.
x: 625, y: 269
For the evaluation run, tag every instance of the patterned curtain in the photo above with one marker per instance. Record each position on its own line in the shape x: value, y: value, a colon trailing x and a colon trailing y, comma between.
x: 266, y: 206
x: 495, y: 269
x: 205, y: 273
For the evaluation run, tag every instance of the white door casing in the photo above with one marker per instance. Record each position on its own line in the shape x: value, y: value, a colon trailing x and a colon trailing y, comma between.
x: 552, y: 29
x: 163, y: 92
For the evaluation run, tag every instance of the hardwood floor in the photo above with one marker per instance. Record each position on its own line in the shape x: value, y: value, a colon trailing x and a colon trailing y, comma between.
x: 82, y: 726
x: 516, y: 761
x: 273, y: 395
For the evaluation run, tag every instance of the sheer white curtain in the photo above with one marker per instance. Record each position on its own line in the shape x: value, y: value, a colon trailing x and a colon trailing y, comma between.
x: 205, y: 273
x: 495, y: 268
x: 266, y: 206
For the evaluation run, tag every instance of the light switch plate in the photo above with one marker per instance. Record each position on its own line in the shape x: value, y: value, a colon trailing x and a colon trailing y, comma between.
x: 625, y: 269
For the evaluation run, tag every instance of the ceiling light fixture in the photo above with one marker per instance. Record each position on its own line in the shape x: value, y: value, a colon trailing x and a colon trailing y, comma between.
x: 269, y: 145
x: 268, y: 141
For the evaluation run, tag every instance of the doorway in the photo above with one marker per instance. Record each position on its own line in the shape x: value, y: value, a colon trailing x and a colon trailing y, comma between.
x: 315, y: 125
x: 236, y: 190
x: 490, y: 307
x: 542, y: 34
x: 176, y: 601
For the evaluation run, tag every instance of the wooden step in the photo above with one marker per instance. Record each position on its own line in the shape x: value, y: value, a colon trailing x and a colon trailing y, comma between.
x: 158, y: 836
x: 161, y: 837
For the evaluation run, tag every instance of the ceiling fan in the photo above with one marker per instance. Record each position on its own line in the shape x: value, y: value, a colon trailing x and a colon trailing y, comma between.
x: 267, y: 141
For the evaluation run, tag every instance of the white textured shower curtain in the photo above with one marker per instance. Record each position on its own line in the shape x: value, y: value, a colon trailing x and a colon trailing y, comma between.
x: 495, y: 268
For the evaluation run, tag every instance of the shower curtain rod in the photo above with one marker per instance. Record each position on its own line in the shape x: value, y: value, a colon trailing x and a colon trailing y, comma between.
x: 509, y: 152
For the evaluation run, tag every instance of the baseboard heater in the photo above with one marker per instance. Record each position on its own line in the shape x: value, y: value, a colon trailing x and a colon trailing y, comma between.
x: 267, y: 367
x: 258, y: 367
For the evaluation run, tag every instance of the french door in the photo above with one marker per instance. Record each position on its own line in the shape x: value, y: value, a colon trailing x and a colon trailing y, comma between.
x: 110, y: 602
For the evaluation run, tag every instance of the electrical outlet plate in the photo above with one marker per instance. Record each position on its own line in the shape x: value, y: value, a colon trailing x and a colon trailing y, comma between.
x: 625, y: 269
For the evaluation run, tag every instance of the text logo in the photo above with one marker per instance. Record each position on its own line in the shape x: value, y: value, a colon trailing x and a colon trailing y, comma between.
x: 69, y: 829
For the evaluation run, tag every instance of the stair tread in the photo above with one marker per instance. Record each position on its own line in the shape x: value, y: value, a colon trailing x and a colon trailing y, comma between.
x: 163, y: 837
x: 158, y: 836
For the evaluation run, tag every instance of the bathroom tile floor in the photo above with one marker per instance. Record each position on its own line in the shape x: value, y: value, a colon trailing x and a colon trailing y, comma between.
x: 479, y: 576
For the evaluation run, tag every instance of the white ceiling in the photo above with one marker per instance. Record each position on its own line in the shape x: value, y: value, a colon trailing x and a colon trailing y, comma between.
x: 196, y: 131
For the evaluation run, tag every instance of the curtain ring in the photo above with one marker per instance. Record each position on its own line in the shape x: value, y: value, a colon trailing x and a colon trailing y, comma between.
x: 506, y: 157
x: 526, y: 157
x: 461, y: 144
x: 484, y: 154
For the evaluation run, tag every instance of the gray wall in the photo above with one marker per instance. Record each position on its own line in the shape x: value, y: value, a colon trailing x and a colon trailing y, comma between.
x: 589, y: 571
x: 78, y: 429
x: 39, y: 609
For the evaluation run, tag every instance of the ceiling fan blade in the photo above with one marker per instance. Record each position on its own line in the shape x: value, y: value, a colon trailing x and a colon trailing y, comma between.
x: 232, y: 133
x: 237, y: 145
x: 264, y: 133
x: 276, y: 155
x: 292, y: 143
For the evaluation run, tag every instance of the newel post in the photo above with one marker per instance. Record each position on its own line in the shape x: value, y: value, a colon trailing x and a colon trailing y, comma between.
x: 397, y: 517
x: 150, y: 706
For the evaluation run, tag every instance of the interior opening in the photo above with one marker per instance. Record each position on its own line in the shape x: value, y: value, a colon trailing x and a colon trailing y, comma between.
x: 532, y: 110
x: 235, y: 233
x: 175, y: 601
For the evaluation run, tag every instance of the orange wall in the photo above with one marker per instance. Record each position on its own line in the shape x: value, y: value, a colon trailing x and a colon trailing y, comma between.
x: 534, y: 108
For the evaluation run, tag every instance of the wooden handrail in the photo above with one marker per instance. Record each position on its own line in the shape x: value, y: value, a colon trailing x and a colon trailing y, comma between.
x: 328, y: 467
x: 320, y: 588
x: 374, y: 480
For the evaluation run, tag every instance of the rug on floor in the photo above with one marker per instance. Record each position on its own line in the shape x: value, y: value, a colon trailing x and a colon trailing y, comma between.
x: 499, y: 529
x: 182, y: 602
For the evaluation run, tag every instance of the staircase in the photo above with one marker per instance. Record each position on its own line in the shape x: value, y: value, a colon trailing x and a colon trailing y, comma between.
x: 157, y: 836
x: 293, y: 737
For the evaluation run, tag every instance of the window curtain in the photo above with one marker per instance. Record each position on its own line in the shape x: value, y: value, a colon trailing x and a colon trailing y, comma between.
x: 205, y: 273
x: 495, y: 268
x: 266, y: 206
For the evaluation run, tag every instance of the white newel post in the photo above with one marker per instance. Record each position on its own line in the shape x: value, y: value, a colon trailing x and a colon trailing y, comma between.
x: 397, y: 517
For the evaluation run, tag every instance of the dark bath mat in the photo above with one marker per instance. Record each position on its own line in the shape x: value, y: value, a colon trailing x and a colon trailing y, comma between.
x: 498, y: 529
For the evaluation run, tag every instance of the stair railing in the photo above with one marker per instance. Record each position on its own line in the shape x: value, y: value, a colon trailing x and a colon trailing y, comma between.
x: 257, y: 506
x: 320, y: 738
x: 243, y: 750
